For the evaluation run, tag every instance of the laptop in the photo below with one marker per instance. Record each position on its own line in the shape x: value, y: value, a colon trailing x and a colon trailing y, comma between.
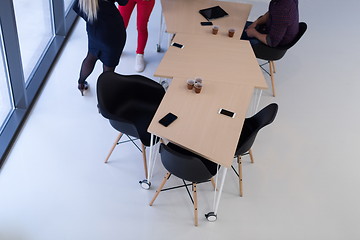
x: 213, y: 13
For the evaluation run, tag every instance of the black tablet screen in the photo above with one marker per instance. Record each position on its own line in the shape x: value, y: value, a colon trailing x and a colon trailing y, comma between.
x: 213, y: 12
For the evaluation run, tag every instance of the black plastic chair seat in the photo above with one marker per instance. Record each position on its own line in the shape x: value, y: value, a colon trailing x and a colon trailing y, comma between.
x: 267, y: 53
x: 186, y: 165
x: 248, y: 134
x: 253, y: 125
x: 247, y: 137
x: 129, y: 102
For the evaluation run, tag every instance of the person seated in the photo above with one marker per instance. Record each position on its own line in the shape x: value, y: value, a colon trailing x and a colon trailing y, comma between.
x: 278, y: 27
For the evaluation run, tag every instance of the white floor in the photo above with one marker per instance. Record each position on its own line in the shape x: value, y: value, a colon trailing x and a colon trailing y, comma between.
x: 304, y: 184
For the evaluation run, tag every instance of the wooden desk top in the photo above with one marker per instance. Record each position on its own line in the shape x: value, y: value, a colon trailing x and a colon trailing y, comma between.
x: 212, y: 57
x: 183, y: 16
x: 199, y: 127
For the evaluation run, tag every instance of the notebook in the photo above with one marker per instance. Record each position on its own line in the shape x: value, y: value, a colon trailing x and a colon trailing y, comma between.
x: 213, y: 12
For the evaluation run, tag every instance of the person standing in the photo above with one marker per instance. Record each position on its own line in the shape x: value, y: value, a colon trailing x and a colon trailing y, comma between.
x: 278, y: 27
x: 144, y: 9
x: 106, y: 36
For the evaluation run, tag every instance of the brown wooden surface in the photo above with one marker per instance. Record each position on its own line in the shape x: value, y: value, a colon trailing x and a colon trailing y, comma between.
x: 182, y: 16
x: 199, y: 127
x: 212, y: 57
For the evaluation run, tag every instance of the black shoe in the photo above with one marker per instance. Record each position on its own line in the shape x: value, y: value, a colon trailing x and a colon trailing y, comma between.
x: 83, y: 87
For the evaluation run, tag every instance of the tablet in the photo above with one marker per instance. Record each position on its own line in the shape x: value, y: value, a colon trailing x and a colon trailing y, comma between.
x: 213, y: 12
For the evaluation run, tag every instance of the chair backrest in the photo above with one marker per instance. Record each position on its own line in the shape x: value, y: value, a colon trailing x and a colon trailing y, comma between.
x: 253, y: 125
x: 114, y: 91
x: 302, y: 30
x: 265, y: 52
x: 186, y: 165
x: 129, y: 102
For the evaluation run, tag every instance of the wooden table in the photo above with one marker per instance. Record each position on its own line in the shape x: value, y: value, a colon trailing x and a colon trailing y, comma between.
x: 230, y: 73
x: 182, y: 16
x: 199, y: 127
x: 212, y: 57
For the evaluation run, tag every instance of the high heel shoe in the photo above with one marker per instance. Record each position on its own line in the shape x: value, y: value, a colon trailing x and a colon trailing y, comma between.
x: 83, y: 87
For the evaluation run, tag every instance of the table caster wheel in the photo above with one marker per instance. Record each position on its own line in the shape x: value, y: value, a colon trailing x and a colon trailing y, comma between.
x: 211, y: 216
x: 145, y: 184
x: 158, y: 48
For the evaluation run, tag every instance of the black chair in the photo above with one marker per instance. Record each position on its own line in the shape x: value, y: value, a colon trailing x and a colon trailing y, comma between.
x: 129, y: 102
x: 271, y: 54
x: 248, y: 134
x: 187, y: 166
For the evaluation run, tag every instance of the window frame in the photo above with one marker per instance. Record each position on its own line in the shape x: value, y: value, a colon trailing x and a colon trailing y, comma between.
x: 25, y: 94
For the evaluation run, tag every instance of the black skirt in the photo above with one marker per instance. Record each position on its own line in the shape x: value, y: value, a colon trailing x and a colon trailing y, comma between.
x: 107, y: 34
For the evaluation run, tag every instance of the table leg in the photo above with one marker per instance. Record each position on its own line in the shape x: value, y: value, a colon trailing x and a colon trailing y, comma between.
x: 258, y: 99
x: 220, y: 190
x: 146, y: 183
x: 255, y: 101
x: 212, y: 216
x: 161, y: 32
x: 154, y: 157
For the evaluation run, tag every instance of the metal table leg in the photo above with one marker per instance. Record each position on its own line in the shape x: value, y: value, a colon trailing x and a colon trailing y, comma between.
x: 146, y: 183
x: 212, y: 216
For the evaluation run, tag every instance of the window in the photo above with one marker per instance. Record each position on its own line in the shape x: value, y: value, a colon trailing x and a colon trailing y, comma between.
x: 35, y: 30
x: 6, y: 103
x: 31, y: 35
x: 68, y: 4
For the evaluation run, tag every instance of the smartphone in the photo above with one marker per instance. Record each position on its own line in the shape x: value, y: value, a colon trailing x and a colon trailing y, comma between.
x: 227, y: 113
x: 206, y: 23
x: 177, y: 45
x: 168, y: 119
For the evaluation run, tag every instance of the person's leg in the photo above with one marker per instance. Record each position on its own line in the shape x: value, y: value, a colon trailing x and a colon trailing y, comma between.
x: 244, y: 35
x: 126, y: 11
x: 144, y: 9
x: 87, y: 67
x: 108, y: 69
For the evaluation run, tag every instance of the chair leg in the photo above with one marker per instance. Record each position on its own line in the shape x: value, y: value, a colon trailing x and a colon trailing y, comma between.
x: 195, y: 205
x: 273, y: 63
x: 240, y: 175
x: 113, y: 146
x: 159, y: 188
x: 251, y: 156
x: 271, y: 66
x: 144, y: 158
x: 213, y: 183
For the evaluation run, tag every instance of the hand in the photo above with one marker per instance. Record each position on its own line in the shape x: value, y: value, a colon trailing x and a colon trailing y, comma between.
x: 251, y: 32
x: 253, y: 25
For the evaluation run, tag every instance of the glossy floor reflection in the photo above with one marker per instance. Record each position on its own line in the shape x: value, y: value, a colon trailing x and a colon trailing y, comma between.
x: 303, y: 185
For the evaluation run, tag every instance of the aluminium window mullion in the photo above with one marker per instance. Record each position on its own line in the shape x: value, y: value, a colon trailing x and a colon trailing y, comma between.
x: 12, y: 54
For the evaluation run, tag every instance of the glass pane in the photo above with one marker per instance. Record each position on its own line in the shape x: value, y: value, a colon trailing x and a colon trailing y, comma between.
x: 5, y: 97
x: 67, y: 4
x: 34, y: 25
